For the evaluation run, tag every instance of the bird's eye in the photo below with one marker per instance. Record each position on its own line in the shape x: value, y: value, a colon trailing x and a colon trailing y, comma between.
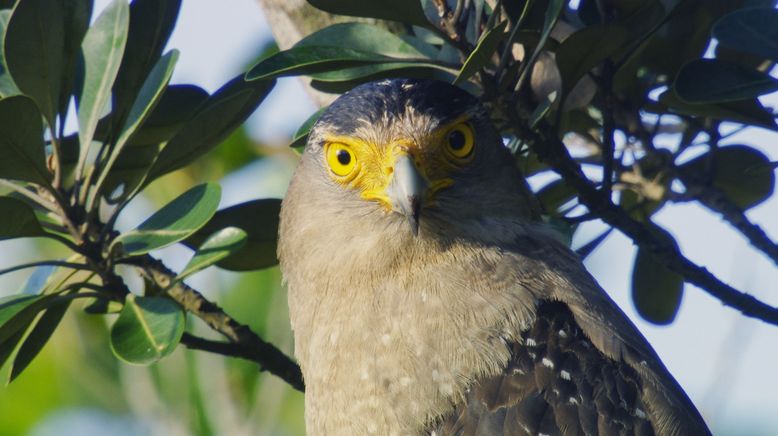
x: 459, y: 141
x: 341, y: 159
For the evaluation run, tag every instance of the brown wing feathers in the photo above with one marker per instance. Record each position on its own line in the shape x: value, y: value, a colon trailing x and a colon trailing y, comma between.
x: 556, y: 383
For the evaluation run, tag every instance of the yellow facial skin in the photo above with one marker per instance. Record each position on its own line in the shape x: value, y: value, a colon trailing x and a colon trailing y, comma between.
x: 369, y: 167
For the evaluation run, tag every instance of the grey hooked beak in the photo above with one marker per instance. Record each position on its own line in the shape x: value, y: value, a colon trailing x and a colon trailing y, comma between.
x: 407, y: 191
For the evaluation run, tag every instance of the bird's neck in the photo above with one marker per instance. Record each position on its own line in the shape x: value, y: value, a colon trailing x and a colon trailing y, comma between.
x: 389, y: 351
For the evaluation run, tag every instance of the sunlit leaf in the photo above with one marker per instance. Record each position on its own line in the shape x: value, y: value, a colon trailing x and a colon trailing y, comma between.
x: 17, y: 220
x: 76, y: 21
x: 361, y: 37
x: 715, y: 81
x: 213, y: 122
x: 103, y: 47
x: 148, y: 329
x: 218, y: 246
x: 259, y: 219
x: 754, y: 30
x: 22, y: 156
x: 174, y: 222
x: 7, y: 85
x: 482, y: 53
x: 656, y: 290
x: 404, y: 11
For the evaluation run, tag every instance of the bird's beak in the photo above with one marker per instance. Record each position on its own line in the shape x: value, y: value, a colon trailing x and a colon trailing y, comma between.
x: 408, y: 190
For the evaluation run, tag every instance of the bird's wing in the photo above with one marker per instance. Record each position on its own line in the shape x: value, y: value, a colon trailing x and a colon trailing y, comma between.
x: 582, y: 368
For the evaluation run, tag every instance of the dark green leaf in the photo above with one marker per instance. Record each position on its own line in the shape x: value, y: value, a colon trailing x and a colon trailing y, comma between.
x: 742, y: 173
x: 218, y: 246
x: 38, y: 337
x: 404, y: 11
x: 585, y: 49
x: 35, y: 50
x: 22, y: 156
x: 715, y: 81
x: 259, y: 219
x: 656, y: 291
x: 103, y: 48
x: 754, y: 30
x: 8, y: 346
x: 17, y: 220
x: 151, y: 23
x: 361, y: 37
x: 744, y: 111
x: 76, y: 20
x: 365, y: 73
x: 555, y: 195
x: 311, y: 59
x: 301, y: 135
x: 147, y: 98
x: 17, y: 312
x: 482, y: 53
x: 7, y: 85
x: 213, y: 122
x: 176, y: 106
x: 174, y: 222
x: 148, y: 329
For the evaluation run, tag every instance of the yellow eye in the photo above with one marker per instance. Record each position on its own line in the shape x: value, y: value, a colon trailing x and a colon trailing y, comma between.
x: 341, y: 159
x: 459, y: 141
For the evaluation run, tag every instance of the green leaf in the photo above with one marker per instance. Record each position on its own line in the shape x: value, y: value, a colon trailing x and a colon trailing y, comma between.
x: 18, y: 311
x: 482, y: 53
x: 38, y: 337
x: 103, y: 47
x: 259, y: 219
x: 361, y: 37
x: 76, y: 21
x: 147, y: 98
x: 174, y: 222
x: 17, y: 220
x: 35, y: 49
x: 218, y: 246
x: 656, y: 290
x: 213, y: 122
x: 148, y: 329
x: 8, y: 346
x: 716, y: 81
x: 744, y: 111
x: 741, y: 172
x: 754, y: 30
x: 404, y: 11
x: 151, y: 23
x: 311, y: 59
x: 22, y: 156
x: 365, y: 73
x: 7, y: 85
x: 178, y: 104
x: 301, y: 135
x: 585, y: 49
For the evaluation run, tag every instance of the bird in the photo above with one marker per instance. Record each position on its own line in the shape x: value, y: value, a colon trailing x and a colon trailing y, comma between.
x: 428, y: 297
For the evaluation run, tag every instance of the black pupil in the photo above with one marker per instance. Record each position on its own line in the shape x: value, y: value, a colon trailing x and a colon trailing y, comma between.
x: 456, y: 140
x: 344, y: 157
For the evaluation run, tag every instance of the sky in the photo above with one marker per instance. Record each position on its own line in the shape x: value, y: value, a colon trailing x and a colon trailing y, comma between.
x: 725, y: 362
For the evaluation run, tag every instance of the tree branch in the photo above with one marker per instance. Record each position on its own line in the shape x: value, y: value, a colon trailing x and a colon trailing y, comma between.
x: 243, y: 343
x: 550, y: 149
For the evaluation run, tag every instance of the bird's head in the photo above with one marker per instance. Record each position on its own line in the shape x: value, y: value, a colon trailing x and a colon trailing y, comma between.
x: 418, y: 151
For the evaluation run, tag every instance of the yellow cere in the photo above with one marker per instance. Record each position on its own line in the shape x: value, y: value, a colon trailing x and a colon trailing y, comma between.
x: 368, y: 167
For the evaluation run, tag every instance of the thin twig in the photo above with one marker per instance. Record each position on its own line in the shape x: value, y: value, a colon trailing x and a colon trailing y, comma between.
x: 236, y: 349
x: 265, y: 354
x: 551, y: 150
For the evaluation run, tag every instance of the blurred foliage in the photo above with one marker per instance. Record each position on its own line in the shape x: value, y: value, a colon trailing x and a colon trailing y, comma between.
x: 684, y: 68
